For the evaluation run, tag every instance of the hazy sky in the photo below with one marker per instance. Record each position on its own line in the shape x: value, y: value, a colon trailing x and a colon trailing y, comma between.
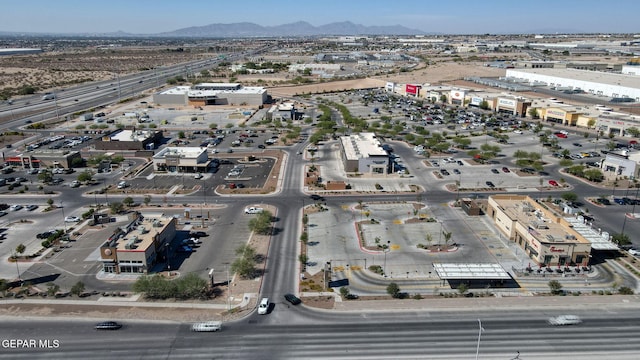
x: 452, y: 17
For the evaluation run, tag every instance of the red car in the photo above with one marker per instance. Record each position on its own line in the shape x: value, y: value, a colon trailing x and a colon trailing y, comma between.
x: 553, y: 183
x: 506, y: 169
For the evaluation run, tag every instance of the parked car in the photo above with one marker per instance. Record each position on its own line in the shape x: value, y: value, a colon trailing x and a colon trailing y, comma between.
x: 108, y: 325
x: 71, y: 219
x: 31, y: 207
x: 495, y: 171
x: 184, y: 249
x: 3, y: 213
x: 490, y: 184
x: 292, y: 299
x: 505, y: 169
x: 253, y: 210
x: 553, y: 183
x: 15, y: 207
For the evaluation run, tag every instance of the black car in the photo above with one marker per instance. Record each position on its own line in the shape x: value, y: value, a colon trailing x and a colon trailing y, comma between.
x: 108, y: 325
x: 577, y: 144
x: 351, y: 296
x: 490, y: 184
x: 495, y: 171
x: 292, y: 299
x: 198, y: 234
x: 3, y: 213
x: 444, y: 172
x: 261, y: 146
x: 316, y: 197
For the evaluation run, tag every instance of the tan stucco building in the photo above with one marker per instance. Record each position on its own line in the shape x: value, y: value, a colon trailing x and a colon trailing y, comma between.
x: 546, y: 237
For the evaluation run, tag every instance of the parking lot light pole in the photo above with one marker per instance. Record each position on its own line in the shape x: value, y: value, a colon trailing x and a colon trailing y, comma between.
x: 386, y: 249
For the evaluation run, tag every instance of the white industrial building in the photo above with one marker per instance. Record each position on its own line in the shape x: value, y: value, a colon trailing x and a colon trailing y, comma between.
x: 364, y: 154
x: 212, y: 94
x: 593, y: 82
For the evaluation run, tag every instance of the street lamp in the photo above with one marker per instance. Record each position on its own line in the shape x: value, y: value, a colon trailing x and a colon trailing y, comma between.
x: 15, y: 257
x: 386, y: 249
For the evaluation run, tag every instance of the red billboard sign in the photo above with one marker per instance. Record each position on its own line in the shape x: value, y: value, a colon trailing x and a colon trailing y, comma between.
x: 412, y: 89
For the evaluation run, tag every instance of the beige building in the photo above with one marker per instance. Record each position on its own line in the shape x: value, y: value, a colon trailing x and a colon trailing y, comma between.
x: 181, y: 159
x: 546, y: 237
x: 139, y: 246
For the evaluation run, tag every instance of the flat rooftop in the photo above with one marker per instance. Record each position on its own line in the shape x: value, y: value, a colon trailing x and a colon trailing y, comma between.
x: 362, y: 145
x: 130, y: 135
x: 139, y: 239
x: 541, y: 223
x: 183, y: 152
x: 630, y: 81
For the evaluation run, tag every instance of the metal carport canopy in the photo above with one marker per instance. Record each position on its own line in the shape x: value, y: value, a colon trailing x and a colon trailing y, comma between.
x: 471, y: 271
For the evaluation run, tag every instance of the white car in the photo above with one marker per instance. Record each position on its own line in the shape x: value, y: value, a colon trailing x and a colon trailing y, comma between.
x: 198, y: 176
x: 517, y: 131
x: 565, y: 320
x: 634, y: 252
x: 15, y: 207
x: 71, y: 219
x: 253, y: 210
x: 263, y: 308
x: 122, y: 185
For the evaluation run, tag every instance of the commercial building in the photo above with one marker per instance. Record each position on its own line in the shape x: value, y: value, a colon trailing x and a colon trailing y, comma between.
x: 212, y: 94
x: 364, y: 154
x: 138, y: 246
x: 129, y: 140
x: 181, y: 159
x: 46, y: 158
x: 544, y: 235
x: 623, y: 164
x: 593, y: 82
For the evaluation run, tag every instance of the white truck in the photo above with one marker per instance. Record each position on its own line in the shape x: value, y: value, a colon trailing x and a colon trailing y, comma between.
x: 86, y: 117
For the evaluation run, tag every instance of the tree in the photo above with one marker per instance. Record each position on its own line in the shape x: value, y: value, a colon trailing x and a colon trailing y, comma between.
x: 462, y: 288
x: 394, y: 290
x: 85, y: 176
x: 20, y: 249
x: 533, y: 112
x: 128, y: 201
x: 625, y: 290
x: 50, y: 202
x: 45, y: 176
x: 146, y: 200
x: 555, y: 287
x: 304, y: 259
x: 78, y: 288
x: 621, y: 239
x: 447, y: 238
x: 591, y: 123
x: 261, y: 224
x: 116, y: 207
x: 244, y: 267
x: 181, y: 134
x: 569, y: 197
x: 52, y: 289
x: 344, y: 291
x: 304, y: 237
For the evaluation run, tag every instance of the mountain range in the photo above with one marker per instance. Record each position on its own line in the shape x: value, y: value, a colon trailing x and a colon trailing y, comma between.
x: 247, y: 29
x: 300, y: 28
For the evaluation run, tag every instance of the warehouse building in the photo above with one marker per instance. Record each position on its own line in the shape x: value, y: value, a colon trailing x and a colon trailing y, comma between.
x: 593, y: 82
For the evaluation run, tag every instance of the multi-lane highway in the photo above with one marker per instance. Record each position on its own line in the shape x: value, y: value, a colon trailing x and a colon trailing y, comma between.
x: 303, y: 334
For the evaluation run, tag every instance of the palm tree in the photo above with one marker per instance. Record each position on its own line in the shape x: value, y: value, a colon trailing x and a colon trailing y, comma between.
x: 447, y: 237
